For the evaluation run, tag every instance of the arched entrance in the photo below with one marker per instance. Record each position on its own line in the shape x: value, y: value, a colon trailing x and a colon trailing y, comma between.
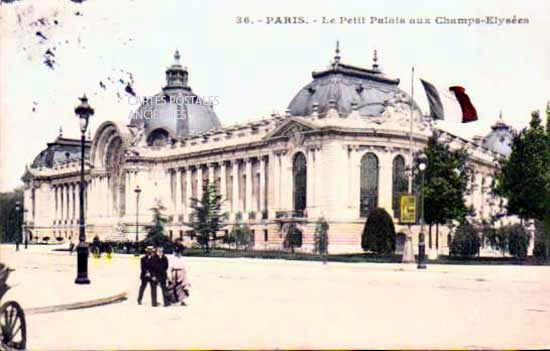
x: 299, y: 174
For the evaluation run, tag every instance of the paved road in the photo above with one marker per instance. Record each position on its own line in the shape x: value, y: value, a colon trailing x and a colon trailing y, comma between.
x: 245, y: 303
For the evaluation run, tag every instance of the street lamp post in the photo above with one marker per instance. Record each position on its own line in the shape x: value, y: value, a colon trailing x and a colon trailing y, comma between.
x: 83, y: 111
x: 421, y: 243
x: 137, y: 190
x: 18, y: 225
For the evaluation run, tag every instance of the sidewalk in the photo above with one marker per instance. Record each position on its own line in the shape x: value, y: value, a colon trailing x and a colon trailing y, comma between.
x: 36, y: 287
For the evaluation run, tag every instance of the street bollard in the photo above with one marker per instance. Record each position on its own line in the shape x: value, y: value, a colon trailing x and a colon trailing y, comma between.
x: 421, y: 251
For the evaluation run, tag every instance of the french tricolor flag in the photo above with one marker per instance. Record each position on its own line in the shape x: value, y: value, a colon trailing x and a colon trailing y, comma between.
x: 450, y: 104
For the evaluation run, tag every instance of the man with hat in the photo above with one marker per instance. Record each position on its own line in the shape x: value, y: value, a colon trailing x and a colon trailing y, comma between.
x: 148, y: 267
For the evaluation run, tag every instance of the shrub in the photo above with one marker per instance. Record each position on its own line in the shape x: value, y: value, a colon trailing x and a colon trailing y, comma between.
x: 59, y: 238
x: 539, y: 251
x: 518, y: 240
x: 321, y: 236
x: 495, y: 238
x: 46, y: 238
x: 379, y: 232
x: 293, y: 237
x: 465, y: 242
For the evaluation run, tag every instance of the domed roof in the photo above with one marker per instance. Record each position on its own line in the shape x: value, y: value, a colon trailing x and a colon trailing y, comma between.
x: 345, y: 86
x: 177, y: 111
x: 60, y: 151
x: 500, y: 139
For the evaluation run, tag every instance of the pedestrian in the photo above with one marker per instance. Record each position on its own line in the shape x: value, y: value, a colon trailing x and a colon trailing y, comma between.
x: 161, y: 266
x: 71, y: 245
x: 148, y: 275
x: 179, y: 283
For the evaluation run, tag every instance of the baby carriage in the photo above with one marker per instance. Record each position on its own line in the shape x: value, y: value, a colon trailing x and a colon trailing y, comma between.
x: 176, y: 290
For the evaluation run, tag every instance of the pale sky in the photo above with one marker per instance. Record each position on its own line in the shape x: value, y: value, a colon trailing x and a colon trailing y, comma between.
x: 253, y: 69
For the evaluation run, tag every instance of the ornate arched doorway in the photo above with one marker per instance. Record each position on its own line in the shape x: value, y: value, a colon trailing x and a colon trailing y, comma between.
x: 299, y: 173
x: 114, y: 159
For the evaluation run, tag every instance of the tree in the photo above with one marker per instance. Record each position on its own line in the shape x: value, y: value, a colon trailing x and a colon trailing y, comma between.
x: 466, y: 241
x: 155, y: 232
x: 321, y: 237
x: 8, y: 215
x: 524, y: 177
x: 379, y: 232
x: 242, y: 235
x: 293, y: 238
x: 446, y: 179
x: 207, y: 217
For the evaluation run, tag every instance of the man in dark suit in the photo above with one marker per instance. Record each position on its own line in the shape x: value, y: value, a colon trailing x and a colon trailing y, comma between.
x: 161, y: 266
x: 148, y: 275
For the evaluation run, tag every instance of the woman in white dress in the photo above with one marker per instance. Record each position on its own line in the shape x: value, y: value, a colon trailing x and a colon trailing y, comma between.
x: 179, y: 284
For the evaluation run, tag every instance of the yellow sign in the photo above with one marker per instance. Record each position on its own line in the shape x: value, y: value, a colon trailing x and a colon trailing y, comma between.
x: 408, y: 209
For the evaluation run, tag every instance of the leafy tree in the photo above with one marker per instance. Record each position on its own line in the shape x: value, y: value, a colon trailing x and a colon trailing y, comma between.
x: 321, y: 236
x: 242, y: 235
x: 466, y: 241
x: 293, y: 238
x: 524, y: 177
x: 379, y: 232
x: 207, y: 217
x: 518, y: 240
x: 8, y: 215
x: 446, y: 179
x: 495, y: 238
x: 155, y: 232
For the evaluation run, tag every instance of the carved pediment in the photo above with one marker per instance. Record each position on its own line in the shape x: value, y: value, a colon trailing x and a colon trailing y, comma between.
x: 293, y: 129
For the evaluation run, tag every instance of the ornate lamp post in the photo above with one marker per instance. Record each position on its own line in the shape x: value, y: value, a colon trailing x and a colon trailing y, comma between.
x: 421, y: 243
x: 18, y: 224
x: 137, y: 190
x: 83, y: 111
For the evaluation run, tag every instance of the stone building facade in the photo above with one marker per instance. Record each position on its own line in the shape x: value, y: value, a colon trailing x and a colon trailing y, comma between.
x: 340, y: 150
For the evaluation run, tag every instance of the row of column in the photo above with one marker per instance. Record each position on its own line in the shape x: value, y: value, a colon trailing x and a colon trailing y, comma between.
x: 67, y: 202
x: 102, y: 198
x: 241, y: 183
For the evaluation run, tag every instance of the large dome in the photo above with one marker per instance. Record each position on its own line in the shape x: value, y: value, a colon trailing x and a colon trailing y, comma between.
x: 176, y: 112
x: 344, y: 86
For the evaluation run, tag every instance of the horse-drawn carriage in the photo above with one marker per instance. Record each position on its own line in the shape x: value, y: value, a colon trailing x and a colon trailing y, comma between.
x: 13, y: 329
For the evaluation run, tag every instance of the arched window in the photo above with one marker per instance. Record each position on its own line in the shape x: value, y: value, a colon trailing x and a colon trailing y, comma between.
x: 158, y: 138
x: 299, y: 173
x: 369, y: 184
x: 399, y: 183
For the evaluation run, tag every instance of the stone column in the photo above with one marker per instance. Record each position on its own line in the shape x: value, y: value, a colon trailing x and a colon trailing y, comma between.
x: 249, y: 206
x: 199, y: 182
x: 223, y: 185
x: 188, y: 192
x: 385, y: 181
x: 310, y: 184
x: 69, y: 217
x: 262, y: 193
x: 235, y: 207
x: 178, y: 206
x: 76, y: 201
x: 319, y: 192
x: 211, y: 169
x: 56, y: 197
x: 275, y: 167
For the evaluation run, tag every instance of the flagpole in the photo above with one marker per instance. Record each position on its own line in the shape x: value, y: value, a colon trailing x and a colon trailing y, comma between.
x: 408, y: 251
x: 411, y: 132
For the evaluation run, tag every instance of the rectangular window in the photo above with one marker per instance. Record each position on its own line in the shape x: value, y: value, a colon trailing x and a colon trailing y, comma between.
x: 181, y: 234
x: 266, y: 235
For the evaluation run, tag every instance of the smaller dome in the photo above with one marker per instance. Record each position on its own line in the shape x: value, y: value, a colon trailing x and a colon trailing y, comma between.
x: 500, y: 139
x: 60, y: 151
